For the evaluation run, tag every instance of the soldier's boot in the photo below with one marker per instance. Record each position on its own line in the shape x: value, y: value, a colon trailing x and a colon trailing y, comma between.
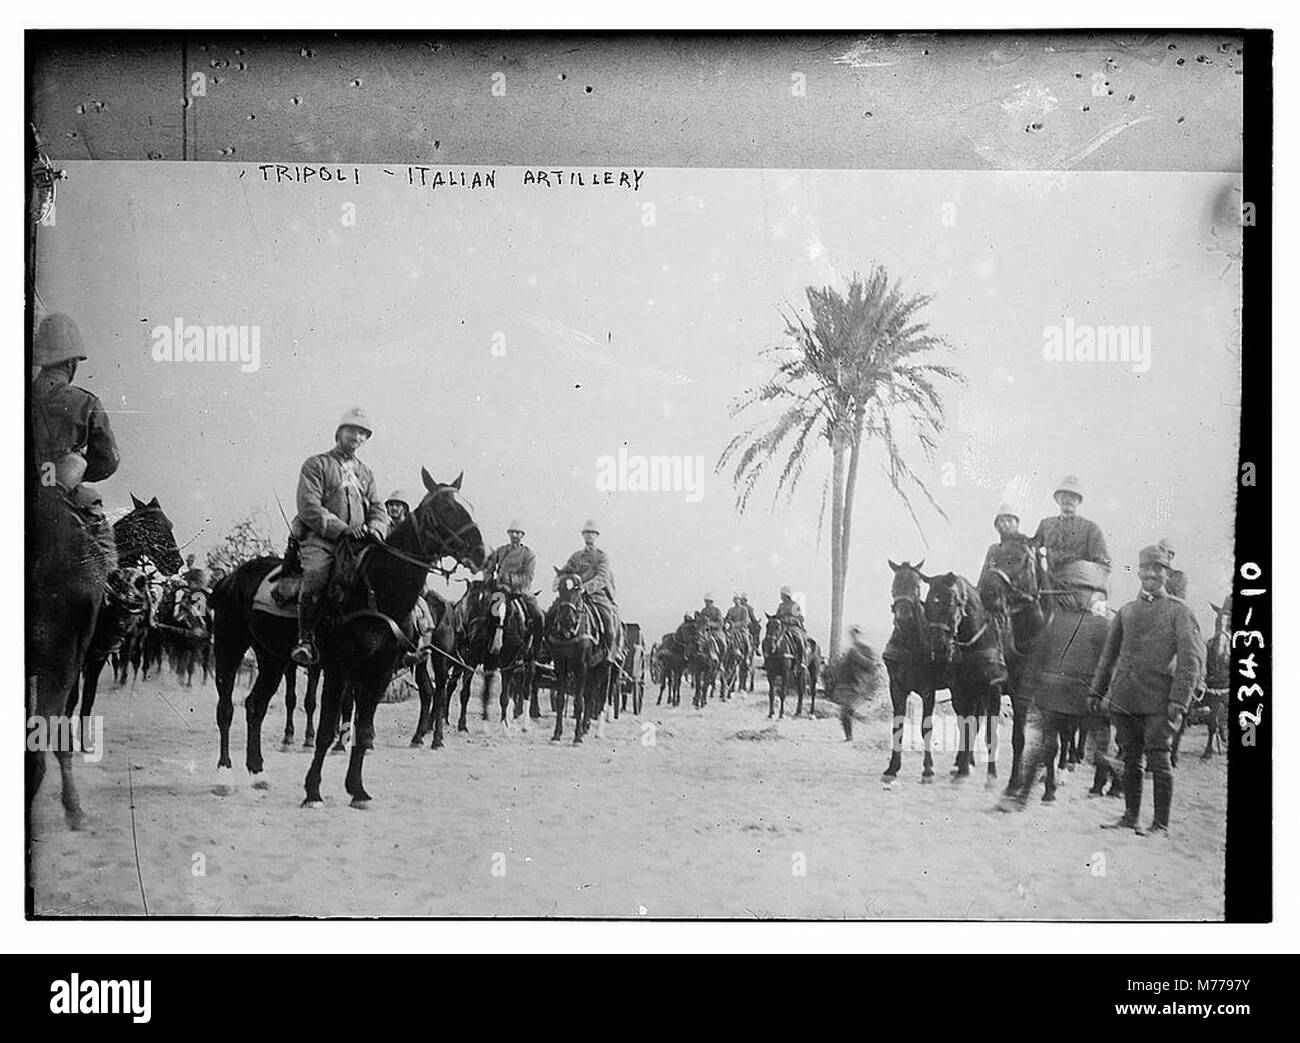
x: 304, y: 652
x: 1099, y: 773
x: 1163, y: 791
x: 1132, y: 800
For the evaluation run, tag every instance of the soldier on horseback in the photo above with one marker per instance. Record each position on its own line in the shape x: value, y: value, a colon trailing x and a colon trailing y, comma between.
x: 789, y: 612
x: 72, y: 441
x: 1012, y: 545
x: 592, y: 565
x: 509, y: 570
x: 1069, y: 536
x: 398, y: 506
x: 710, y: 615
x: 337, y: 498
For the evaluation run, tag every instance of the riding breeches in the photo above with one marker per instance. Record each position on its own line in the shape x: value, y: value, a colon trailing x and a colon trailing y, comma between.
x: 317, y: 556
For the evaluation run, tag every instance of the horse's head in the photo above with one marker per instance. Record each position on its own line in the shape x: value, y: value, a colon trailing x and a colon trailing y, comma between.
x: 146, y: 531
x: 566, y: 614
x: 907, y: 580
x: 130, y: 588
x: 773, y: 634
x: 947, y: 604
x: 443, y: 526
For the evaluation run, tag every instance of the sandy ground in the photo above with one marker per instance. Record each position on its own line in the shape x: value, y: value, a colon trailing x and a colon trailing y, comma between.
x: 679, y: 813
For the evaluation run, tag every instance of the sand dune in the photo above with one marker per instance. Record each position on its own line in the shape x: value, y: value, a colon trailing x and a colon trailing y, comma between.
x: 679, y: 813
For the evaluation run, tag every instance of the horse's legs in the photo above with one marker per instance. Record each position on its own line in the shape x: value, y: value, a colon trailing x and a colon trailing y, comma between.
x: 366, y: 698
x: 557, y: 701
x: 331, y: 697
x: 428, y: 697
x: 231, y: 642
x: 269, y: 673
x: 441, y: 696
x: 290, y: 702
x: 993, y: 737
x: 309, y: 706
x: 927, y: 733
x: 466, y: 677
x: 1019, y: 713
x: 579, y: 703
x: 898, y: 701
x: 346, y: 712
x: 89, y: 689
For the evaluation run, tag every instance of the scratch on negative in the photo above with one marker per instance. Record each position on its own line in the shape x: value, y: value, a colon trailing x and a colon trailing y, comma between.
x: 1100, y: 140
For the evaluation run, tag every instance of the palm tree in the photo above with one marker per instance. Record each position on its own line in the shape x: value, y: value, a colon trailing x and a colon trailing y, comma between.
x: 847, y: 376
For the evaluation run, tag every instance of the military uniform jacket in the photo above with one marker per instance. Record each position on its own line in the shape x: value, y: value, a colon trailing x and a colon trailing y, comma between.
x: 512, y: 567
x: 329, y: 501
x: 593, y: 566
x: 738, y: 614
x: 712, y: 615
x: 1071, y: 539
x: 1063, y: 660
x: 1153, y: 656
x: 66, y: 419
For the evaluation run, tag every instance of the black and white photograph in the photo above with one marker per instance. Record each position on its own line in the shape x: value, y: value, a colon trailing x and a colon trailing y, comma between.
x: 647, y: 476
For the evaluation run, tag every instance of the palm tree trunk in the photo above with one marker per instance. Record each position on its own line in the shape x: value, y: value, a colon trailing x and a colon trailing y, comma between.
x: 850, y: 488
x: 837, y: 545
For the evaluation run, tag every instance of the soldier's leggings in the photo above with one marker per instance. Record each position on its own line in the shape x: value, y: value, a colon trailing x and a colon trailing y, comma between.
x: 1042, y: 742
x: 1150, y: 734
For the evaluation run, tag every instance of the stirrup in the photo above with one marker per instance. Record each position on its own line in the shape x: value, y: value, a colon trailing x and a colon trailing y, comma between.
x: 304, y: 654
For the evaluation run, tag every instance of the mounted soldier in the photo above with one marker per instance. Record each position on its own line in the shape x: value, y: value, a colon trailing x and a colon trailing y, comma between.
x: 337, y: 500
x: 789, y: 612
x: 592, y: 565
x: 710, y: 615
x: 1012, y: 546
x: 398, y: 506
x: 72, y: 441
x: 1152, y: 661
x: 1070, y: 537
x: 1176, y: 586
x: 509, y: 571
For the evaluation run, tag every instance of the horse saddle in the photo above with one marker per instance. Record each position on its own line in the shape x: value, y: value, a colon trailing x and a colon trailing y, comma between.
x: 278, y: 594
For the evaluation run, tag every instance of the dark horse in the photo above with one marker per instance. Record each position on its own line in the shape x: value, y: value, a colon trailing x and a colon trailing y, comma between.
x: 144, y: 534
x: 910, y: 664
x: 435, y: 684
x: 967, y: 649
x: 361, y: 644
x: 669, y: 661
x: 188, y: 638
x: 581, y: 665
x: 704, y: 660
x: 73, y: 555
x: 790, y: 659
x: 738, y: 657
x: 1210, y: 706
x: 495, y: 631
x: 1010, y: 594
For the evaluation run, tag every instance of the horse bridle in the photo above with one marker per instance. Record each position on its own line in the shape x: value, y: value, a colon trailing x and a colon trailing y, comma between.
x: 453, y: 538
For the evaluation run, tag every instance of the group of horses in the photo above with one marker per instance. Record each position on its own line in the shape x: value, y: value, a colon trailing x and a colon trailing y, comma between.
x: 976, y: 642
x: 721, y: 659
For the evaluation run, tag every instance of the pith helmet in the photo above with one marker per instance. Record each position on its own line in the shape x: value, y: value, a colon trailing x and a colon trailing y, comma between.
x: 1006, y: 511
x: 1165, y: 544
x: 1154, y: 555
x: 398, y: 496
x: 355, y: 417
x: 515, y: 526
x: 708, y: 597
x: 785, y: 592
x: 590, y: 526
x: 1069, y: 484
x: 57, y: 340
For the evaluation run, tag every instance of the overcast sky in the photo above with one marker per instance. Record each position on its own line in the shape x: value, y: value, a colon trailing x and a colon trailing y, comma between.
x: 520, y: 333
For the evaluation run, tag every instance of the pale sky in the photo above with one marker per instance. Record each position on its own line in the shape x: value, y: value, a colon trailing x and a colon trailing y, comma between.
x: 626, y: 326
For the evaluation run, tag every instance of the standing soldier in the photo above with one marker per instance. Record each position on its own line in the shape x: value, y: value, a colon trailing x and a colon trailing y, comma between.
x: 1152, y: 661
x: 71, y: 438
x: 1070, y: 536
x: 510, y: 569
x: 337, y: 498
x: 592, y: 564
